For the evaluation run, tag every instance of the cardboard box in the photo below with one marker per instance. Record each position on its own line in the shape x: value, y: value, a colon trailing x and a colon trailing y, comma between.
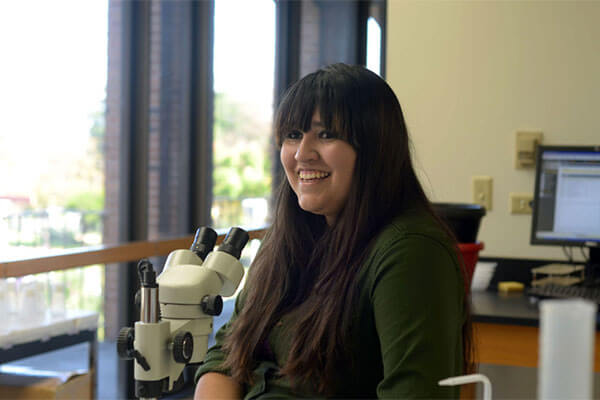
x: 27, y: 383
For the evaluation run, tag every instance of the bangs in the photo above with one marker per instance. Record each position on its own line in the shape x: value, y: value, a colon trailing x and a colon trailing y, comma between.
x: 315, y: 93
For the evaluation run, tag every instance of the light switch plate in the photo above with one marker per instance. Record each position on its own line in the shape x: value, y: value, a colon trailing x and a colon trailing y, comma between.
x: 520, y: 203
x: 482, y: 191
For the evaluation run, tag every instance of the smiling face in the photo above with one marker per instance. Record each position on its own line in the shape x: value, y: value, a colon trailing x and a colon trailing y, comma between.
x: 319, y: 168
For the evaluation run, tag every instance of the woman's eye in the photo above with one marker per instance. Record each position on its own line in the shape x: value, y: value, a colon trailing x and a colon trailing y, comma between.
x: 294, y: 135
x: 327, y: 135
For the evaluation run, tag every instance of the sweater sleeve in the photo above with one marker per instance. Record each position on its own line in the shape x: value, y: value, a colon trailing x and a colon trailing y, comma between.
x: 417, y: 297
x: 215, y: 356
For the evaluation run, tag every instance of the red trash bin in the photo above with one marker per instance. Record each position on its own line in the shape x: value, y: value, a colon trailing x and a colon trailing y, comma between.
x: 470, y: 255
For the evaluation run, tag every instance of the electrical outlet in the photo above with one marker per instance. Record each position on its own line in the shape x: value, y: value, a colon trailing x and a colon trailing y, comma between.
x: 482, y: 191
x: 520, y: 203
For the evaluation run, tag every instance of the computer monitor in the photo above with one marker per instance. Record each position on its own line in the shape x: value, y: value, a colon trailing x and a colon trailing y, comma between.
x: 566, y: 205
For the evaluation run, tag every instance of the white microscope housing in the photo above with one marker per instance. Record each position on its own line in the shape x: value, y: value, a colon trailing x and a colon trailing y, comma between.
x: 177, y: 310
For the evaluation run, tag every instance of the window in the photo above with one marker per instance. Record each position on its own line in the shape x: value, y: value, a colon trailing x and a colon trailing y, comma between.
x: 374, y: 45
x: 244, y: 57
x: 53, y: 80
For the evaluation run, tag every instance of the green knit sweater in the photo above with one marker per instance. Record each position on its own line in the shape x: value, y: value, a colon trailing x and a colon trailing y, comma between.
x: 409, y: 317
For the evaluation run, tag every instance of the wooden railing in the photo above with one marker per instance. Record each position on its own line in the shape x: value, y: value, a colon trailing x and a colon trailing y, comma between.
x: 105, y: 254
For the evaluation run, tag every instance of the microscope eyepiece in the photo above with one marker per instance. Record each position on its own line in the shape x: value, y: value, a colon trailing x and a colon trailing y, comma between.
x: 204, y: 241
x: 234, y: 242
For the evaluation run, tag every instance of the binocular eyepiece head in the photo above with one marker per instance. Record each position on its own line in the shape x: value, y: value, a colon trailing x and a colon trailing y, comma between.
x: 205, y: 240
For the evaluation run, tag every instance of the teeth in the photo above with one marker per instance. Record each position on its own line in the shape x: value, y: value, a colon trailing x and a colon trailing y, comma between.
x: 306, y: 175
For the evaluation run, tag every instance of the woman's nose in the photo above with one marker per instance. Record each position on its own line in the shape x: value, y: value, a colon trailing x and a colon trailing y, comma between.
x: 306, y: 150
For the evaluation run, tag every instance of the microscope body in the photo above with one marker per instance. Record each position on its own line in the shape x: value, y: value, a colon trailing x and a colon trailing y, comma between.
x: 177, y: 309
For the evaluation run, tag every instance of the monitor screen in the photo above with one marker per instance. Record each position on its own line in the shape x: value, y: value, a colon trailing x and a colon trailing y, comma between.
x: 566, y: 205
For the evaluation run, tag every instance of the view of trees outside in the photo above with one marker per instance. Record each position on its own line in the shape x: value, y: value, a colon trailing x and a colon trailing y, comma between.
x: 244, y: 70
x: 51, y: 146
x: 242, y: 165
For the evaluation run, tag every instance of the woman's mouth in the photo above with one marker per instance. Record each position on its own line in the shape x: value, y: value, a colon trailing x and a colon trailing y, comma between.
x: 308, y: 176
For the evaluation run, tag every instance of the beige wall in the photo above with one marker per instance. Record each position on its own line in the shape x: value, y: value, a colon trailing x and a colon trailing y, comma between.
x: 470, y: 74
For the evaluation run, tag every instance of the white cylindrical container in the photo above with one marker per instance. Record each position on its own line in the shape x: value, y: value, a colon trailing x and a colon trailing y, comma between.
x: 57, y: 290
x: 566, y: 352
x: 12, y: 297
x: 57, y: 298
x: 32, y: 302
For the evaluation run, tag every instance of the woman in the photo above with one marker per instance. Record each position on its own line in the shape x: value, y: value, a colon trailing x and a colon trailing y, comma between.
x: 357, y: 290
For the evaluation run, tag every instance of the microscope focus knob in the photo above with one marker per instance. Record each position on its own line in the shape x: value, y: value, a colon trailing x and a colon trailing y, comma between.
x: 125, y: 343
x: 212, y: 305
x: 183, y: 347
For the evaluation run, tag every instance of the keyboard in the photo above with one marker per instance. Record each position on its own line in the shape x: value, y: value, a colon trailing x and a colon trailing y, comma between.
x: 564, y: 292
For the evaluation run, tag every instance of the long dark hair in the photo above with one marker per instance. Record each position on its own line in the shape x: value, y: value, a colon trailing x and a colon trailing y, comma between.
x: 305, y: 264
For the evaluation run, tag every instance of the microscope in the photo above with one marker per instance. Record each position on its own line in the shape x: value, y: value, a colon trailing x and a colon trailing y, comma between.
x: 177, y: 308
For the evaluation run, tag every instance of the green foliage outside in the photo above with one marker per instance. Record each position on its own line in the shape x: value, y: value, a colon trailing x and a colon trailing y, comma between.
x: 242, y: 166
x: 91, y: 204
x: 86, y: 201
